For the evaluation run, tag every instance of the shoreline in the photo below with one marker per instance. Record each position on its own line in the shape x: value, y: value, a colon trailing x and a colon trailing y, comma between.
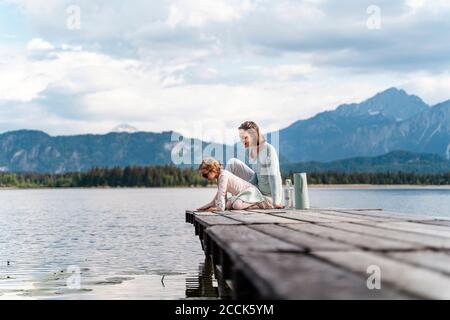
x: 343, y: 186
x: 311, y: 186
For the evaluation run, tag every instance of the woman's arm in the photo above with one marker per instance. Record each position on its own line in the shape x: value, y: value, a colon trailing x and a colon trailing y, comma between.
x: 275, y: 181
x: 276, y: 190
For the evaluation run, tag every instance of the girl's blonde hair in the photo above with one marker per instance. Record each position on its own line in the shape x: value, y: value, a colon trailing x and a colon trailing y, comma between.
x: 210, y: 165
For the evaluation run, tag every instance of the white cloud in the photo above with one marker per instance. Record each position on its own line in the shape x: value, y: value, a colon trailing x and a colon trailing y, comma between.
x: 71, y: 48
x: 433, y: 6
x: 285, y: 72
x: 76, y: 91
x: 171, y: 64
x: 197, y: 13
x: 37, y: 44
x: 432, y: 87
x: 195, y: 30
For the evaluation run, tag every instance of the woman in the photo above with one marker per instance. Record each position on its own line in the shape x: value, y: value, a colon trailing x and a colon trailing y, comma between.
x: 244, y: 194
x: 266, y: 173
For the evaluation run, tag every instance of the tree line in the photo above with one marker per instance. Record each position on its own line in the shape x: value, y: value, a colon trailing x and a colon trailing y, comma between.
x: 377, y: 178
x: 171, y: 176
x: 131, y: 176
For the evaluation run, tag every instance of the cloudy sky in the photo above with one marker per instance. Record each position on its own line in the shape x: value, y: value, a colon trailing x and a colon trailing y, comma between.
x: 201, y: 67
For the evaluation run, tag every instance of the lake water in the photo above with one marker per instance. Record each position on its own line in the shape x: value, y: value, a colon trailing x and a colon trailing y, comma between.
x: 134, y: 243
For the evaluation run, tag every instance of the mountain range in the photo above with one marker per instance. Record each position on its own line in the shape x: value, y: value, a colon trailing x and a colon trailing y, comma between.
x: 394, y: 161
x: 391, y: 120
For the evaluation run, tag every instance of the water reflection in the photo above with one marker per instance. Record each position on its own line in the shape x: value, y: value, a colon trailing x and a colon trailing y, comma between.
x: 204, y: 285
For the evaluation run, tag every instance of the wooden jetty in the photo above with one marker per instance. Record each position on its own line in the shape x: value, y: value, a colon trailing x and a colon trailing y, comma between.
x: 326, y: 253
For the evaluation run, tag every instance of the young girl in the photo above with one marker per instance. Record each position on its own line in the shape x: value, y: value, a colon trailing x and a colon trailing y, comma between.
x: 244, y: 194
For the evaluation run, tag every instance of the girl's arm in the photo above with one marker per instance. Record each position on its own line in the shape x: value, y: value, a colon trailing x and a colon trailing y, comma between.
x: 222, y: 184
x: 219, y: 201
x: 210, y: 204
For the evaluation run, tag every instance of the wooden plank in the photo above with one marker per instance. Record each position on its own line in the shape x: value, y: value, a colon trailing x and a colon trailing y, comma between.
x: 366, y: 214
x: 204, y: 214
x: 344, y: 209
x: 348, y: 215
x: 239, y: 212
x: 425, y: 240
x: 437, y: 222
x: 208, y: 221
x: 364, y: 241
x: 389, y: 215
x: 189, y: 216
x: 306, y: 241
x: 233, y: 212
x: 363, y: 216
x: 316, y: 217
x: 422, y: 228
x: 269, y: 210
x: 438, y: 261
x: 241, y: 238
x: 261, y: 218
x: 414, y: 280
x: 300, y: 276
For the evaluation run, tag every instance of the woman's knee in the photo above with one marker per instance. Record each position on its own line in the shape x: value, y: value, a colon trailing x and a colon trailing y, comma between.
x: 234, y: 165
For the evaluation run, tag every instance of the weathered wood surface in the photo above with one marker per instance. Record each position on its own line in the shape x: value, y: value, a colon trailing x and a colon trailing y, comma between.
x: 327, y: 253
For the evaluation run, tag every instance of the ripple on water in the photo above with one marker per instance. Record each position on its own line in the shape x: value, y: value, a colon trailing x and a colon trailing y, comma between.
x: 123, y: 242
x: 113, y: 280
x: 41, y: 292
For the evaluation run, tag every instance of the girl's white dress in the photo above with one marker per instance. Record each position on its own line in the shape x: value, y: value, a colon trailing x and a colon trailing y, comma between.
x: 239, y: 189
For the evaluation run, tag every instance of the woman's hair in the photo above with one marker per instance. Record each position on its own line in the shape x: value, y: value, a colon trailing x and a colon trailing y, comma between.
x: 210, y: 165
x: 254, y: 130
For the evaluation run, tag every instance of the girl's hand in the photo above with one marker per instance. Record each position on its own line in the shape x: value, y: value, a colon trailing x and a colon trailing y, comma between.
x: 278, y: 206
x: 213, y: 209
